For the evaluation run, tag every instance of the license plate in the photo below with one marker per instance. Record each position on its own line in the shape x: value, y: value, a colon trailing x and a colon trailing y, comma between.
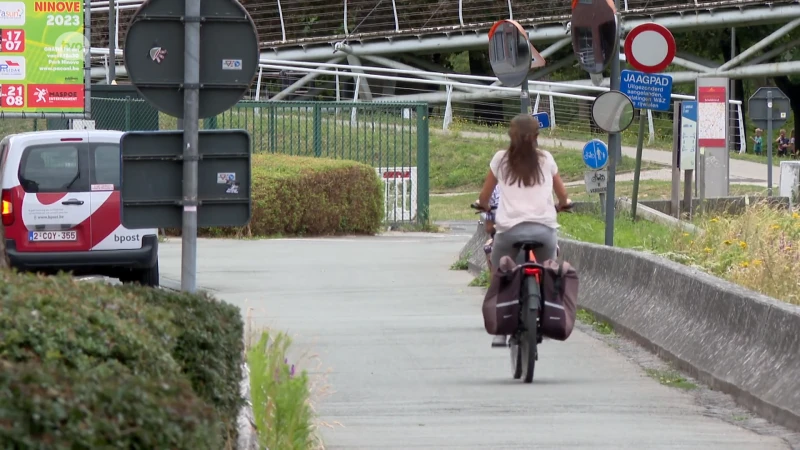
x: 52, y: 236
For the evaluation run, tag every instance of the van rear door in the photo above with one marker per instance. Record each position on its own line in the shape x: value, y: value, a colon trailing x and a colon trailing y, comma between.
x: 53, y: 196
x: 107, y: 230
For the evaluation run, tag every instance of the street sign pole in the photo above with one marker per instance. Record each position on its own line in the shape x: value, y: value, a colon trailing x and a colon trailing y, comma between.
x: 614, y: 144
x: 769, y: 143
x: 191, y: 123
x: 525, y: 98
x: 638, y: 169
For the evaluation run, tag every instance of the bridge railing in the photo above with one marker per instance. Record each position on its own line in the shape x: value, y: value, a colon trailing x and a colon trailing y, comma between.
x: 475, y: 103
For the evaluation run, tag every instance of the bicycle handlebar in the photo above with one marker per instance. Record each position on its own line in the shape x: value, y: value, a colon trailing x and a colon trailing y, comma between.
x: 475, y: 205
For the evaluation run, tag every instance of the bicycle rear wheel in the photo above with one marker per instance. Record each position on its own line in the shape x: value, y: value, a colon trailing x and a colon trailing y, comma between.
x: 516, y: 357
x: 528, y: 339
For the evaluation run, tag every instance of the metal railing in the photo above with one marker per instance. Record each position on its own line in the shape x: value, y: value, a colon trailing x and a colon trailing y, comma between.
x: 392, y: 138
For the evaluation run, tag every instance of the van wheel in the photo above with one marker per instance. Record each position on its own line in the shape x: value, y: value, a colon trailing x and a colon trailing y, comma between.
x: 145, y: 277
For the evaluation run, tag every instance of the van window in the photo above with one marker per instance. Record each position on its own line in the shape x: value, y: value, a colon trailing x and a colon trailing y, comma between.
x: 51, y: 168
x: 106, y: 159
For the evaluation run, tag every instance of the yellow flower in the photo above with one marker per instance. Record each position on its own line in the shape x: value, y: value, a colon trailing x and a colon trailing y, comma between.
x: 727, y: 242
x: 685, y: 234
x: 744, y: 264
x: 756, y: 262
x: 776, y: 227
x: 743, y: 244
x: 714, y: 220
x: 707, y: 250
x: 691, y: 242
x: 795, y: 216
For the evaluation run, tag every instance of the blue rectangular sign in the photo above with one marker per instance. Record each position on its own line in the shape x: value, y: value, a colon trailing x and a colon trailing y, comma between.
x: 647, y: 90
x: 543, y: 118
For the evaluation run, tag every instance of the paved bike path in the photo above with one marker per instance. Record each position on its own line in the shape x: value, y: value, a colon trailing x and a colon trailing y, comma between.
x: 412, y: 367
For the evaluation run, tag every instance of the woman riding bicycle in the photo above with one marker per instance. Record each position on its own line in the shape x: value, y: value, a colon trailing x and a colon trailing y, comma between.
x: 527, y: 177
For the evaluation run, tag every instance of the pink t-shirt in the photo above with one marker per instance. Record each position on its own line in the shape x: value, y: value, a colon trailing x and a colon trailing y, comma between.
x: 520, y: 204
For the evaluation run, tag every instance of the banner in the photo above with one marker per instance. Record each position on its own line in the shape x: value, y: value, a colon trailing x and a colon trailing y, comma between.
x: 42, y: 56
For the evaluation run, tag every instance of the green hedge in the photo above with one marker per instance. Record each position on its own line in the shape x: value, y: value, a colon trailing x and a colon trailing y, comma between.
x: 295, y: 195
x: 96, y: 366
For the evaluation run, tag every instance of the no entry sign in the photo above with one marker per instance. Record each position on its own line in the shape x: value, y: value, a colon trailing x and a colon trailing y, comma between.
x: 650, y: 48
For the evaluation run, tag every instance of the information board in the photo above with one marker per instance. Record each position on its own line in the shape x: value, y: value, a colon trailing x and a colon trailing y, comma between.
x: 42, y: 49
x: 647, y: 91
x: 712, y: 108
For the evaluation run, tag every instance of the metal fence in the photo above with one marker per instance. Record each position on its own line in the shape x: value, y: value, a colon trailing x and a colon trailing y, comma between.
x: 392, y: 138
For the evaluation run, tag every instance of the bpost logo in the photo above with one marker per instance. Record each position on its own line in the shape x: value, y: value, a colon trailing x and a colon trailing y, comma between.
x: 12, y: 13
x: 72, y: 45
x: 128, y: 238
x: 12, y: 68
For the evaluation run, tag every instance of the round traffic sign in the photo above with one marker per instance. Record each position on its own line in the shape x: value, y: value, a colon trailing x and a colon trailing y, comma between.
x: 650, y: 47
x: 595, y: 154
x: 155, y: 47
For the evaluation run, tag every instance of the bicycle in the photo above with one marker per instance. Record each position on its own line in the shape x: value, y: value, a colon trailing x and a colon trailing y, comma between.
x: 523, y: 344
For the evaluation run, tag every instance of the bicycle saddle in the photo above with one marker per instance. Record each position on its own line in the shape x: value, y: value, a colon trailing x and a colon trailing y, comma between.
x: 528, y: 245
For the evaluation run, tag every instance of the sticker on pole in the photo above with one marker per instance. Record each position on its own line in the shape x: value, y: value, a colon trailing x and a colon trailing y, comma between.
x: 595, y: 154
x: 650, y: 48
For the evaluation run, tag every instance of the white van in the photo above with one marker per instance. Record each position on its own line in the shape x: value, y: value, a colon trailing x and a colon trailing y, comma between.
x: 61, y: 207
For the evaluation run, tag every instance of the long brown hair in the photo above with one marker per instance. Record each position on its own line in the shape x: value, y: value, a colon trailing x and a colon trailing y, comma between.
x: 521, y: 163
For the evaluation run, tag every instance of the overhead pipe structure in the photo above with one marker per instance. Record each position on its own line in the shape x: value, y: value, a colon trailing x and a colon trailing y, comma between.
x: 456, y: 39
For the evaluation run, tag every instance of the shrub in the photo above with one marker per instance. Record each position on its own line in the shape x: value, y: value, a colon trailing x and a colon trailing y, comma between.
x: 295, y: 195
x: 104, y: 407
x: 55, y: 320
x: 209, y: 346
x: 314, y: 196
x: 67, y: 328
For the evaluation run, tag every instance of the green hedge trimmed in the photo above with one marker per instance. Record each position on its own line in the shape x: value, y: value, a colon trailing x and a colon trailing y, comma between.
x: 95, y: 366
x: 295, y: 195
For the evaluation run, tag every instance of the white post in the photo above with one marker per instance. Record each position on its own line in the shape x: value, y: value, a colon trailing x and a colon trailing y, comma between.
x: 651, y: 129
x: 536, y: 104
x: 448, y: 109
x: 552, y: 113
x: 354, y: 111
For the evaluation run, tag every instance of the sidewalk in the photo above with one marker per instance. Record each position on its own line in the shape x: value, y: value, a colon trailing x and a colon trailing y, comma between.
x: 741, y: 172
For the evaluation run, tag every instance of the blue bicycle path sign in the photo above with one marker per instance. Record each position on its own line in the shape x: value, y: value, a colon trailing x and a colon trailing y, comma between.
x: 595, y: 154
x: 543, y: 118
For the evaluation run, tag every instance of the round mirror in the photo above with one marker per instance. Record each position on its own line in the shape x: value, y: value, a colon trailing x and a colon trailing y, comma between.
x: 612, y: 111
x: 509, y: 52
x: 595, y: 33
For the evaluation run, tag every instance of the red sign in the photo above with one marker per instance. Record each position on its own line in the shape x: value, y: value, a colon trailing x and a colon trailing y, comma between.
x: 55, y: 95
x: 398, y: 174
x: 650, y: 48
x: 712, y: 116
x: 12, y: 96
x: 12, y: 41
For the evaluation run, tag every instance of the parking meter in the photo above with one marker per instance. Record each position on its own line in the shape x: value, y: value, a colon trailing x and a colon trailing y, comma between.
x: 595, y: 33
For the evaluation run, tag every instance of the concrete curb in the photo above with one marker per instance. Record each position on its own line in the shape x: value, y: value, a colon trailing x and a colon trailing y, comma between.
x: 734, y: 340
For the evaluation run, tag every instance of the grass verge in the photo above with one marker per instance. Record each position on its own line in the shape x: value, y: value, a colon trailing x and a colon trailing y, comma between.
x: 671, y: 378
x: 460, y: 163
x: 280, y: 396
x: 758, y: 249
x: 597, y: 324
